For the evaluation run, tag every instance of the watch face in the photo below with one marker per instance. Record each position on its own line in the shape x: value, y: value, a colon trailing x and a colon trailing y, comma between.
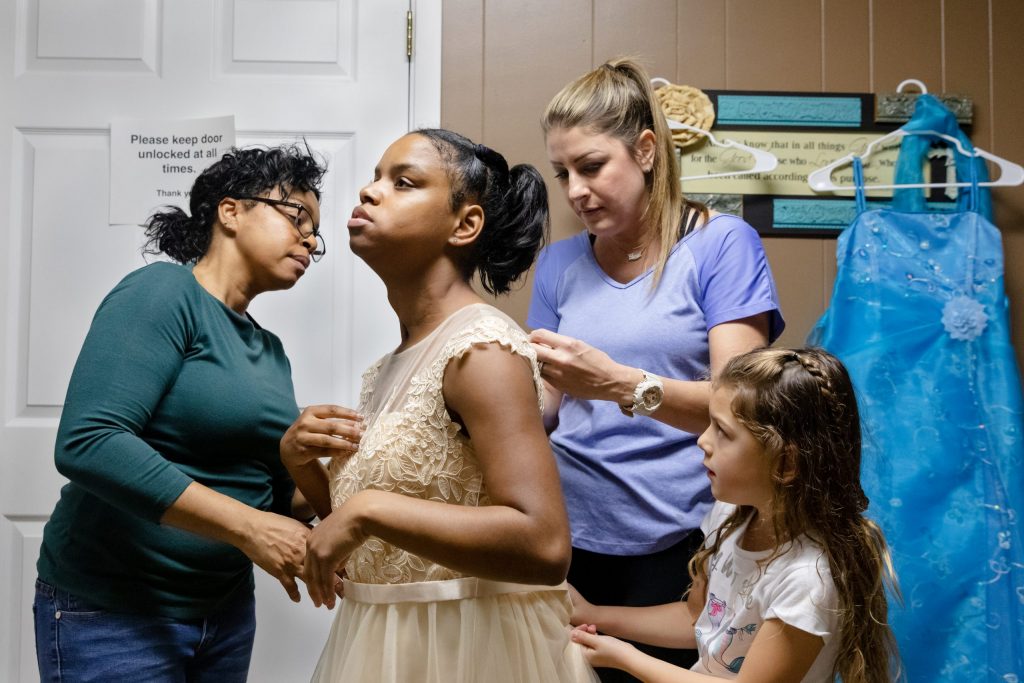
x: 651, y: 396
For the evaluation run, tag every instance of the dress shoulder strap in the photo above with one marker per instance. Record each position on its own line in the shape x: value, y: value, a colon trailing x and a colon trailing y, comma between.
x: 483, y: 326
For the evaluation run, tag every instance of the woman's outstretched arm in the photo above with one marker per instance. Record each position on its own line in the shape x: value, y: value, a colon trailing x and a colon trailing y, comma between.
x: 780, y: 653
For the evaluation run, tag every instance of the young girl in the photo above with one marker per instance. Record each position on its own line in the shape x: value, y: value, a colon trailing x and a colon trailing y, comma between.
x: 448, y: 519
x: 791, y: 582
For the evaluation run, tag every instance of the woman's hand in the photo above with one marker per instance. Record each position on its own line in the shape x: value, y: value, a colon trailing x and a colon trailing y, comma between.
x: 578, y: 369
x: 322, y: 431
x: 328, y: 548
x: 603, y: 650
x: 277, y: 544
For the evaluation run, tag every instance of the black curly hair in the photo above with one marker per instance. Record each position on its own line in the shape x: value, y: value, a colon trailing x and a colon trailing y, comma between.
x: 240, y: 172
x: 515, y: 204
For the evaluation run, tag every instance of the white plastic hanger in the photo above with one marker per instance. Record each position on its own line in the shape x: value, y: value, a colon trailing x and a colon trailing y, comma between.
x: 764, y: 161
x: 1010, y: 173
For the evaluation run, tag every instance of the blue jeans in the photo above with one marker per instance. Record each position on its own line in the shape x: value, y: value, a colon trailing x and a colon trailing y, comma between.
x: 77, y: 642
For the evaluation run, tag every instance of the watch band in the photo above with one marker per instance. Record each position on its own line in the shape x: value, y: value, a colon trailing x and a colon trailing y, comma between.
x: 647, y: 396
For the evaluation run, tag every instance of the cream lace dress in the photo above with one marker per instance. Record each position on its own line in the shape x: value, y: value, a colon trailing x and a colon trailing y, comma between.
x: 404, y: 618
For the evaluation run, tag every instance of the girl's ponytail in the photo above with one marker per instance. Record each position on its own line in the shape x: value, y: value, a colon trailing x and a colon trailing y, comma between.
x: 514, y: 229
x: 515, y: 204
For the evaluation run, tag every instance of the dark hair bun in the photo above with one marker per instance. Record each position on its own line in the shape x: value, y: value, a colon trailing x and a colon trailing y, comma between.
x: 514, y: 229
x: 515, y: 204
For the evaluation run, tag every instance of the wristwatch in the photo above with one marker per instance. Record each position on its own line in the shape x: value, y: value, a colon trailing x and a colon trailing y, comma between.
x: 647, y: 396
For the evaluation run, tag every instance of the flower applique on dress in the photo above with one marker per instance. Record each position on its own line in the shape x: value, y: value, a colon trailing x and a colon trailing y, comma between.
x: 964, y: 318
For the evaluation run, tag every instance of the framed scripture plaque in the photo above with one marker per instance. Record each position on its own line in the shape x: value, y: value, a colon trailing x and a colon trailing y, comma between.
x: 804, y: 131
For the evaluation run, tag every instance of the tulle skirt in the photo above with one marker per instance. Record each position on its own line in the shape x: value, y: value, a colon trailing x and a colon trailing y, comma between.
x: 459, y: 631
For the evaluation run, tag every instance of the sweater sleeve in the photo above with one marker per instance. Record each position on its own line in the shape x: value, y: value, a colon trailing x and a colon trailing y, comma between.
x: 283, y: 486
x: 130, y: 358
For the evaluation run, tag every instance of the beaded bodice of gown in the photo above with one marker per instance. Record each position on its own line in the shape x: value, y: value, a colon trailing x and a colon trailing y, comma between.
x: 411, y: 444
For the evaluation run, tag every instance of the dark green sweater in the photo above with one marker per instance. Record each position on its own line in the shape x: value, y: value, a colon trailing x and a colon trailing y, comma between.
x: 171, y: 387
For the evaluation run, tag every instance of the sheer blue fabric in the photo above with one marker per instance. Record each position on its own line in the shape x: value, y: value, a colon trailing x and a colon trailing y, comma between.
x: 919, y: 316
x: 931, y: 115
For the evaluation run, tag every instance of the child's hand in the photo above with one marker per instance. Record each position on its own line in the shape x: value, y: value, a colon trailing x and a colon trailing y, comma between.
x: 603, y: 650
x: 582, y: 611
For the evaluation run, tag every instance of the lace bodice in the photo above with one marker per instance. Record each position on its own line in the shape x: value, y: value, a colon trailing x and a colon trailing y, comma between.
x: 411, y: 445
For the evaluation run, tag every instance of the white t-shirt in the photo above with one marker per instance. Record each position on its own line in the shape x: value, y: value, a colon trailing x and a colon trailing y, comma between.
x: 796, y: 588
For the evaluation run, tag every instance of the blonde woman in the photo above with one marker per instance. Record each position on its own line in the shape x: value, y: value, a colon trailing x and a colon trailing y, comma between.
x: 629, y: 316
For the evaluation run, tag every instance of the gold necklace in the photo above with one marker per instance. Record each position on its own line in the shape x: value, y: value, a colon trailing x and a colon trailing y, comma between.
x: 634, y: 254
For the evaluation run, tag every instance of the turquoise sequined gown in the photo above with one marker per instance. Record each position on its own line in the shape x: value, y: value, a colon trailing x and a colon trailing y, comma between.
x: 919, y: 316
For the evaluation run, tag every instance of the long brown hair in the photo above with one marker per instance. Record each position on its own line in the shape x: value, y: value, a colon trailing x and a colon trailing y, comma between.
x: 616, y: 99
x: 800, y: 406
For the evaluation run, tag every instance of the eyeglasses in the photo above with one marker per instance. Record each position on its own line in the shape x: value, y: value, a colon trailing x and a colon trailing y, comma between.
x: 297, y: 222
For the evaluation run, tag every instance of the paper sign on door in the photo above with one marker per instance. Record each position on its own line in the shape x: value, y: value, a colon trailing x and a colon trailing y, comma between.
x: 153, y: 163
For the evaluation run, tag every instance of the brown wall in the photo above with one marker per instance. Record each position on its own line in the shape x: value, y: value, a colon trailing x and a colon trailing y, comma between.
x: 504, y: 59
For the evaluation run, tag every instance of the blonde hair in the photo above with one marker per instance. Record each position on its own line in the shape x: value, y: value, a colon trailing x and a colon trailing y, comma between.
x: 616, y: 99
x: 800, y: 406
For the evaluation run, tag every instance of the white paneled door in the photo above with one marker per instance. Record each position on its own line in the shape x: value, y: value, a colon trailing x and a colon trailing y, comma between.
x: 334, y: 72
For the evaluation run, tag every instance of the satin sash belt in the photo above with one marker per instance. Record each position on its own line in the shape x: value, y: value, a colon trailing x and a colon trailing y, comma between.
x: 438, y: 591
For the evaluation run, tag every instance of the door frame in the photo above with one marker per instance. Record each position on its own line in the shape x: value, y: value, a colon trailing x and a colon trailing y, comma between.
x: 425, y: 65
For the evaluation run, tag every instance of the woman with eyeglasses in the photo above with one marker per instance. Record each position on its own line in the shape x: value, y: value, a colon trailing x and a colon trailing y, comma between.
x: 170, y: 435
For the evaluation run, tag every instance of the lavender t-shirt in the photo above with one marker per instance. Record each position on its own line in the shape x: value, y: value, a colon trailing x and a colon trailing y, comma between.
x: 635, y: 486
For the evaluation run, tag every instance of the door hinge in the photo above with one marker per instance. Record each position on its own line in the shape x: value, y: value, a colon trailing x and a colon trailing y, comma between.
x: 408, y: 34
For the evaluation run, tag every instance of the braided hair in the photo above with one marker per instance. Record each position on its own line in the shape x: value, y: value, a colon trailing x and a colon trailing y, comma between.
x: 515, y: 204
x: 240, y: 172
x: 800, y: 406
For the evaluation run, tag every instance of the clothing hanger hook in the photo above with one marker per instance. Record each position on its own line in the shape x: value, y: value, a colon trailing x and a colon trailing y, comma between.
x: 912, y: 81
